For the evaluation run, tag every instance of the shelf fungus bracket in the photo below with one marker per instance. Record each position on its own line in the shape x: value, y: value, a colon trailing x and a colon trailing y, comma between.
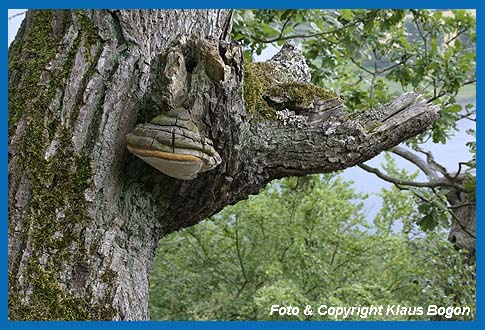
x: 175, y: 142
x: 173, y: 146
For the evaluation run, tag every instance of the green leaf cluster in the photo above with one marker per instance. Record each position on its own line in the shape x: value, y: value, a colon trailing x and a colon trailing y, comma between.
x: 302, y: 241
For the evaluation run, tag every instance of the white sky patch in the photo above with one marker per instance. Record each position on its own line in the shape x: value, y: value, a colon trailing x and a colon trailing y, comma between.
x: 15, y: 18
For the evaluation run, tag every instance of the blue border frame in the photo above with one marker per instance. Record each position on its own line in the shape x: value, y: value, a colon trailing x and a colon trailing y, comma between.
x: 479, y: 323
x: 247, y: 4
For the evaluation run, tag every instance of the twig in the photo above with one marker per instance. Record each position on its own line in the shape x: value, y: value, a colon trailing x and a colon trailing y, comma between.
x: 442, y: 93
x: 241, y: 263
x: 400, y: 151
x: 400, y: 182
x: 456, y: 36
x: 294, y: 36
x: 433, y: 163
x: 460, y: 164
x: 457, y: 206
x: 361, y: 67
x: 18, y: 14
x: 335, y: 249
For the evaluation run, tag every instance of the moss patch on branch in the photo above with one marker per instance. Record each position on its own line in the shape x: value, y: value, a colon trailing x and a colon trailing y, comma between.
x: 261, y: 80
x: 258, y: 78
x: 300, y: 94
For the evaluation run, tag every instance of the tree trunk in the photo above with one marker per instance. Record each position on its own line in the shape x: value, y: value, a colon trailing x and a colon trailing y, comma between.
x: 463, y: 220
x: 85, y: 215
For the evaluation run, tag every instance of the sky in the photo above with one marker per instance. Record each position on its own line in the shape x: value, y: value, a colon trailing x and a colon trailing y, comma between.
x: 14, y: 22
x: 448, y: 155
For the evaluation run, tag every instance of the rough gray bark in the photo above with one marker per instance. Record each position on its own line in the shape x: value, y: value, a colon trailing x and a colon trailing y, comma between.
x: 463, y: 220
x: 85, y: 215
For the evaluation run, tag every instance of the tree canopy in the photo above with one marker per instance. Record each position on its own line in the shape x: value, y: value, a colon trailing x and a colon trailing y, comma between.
x: 305, y: 241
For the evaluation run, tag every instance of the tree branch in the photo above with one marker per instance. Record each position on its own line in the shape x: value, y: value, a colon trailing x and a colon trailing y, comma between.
x: 334, y: 253
x: 284, y: 26
x: 457, y: 206
x: 460, y: 166
x: 294, y: 36
x: 443, y: 93
x: 433, y: 163
x: 16, y: 15
x: 361, y: 67
x: 322, y: 138
x: 400, y: 151
x: 399, y: 182
x: 403, y: 61
x: 456, y: 36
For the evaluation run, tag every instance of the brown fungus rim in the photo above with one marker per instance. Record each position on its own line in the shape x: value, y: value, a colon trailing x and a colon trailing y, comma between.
x: 163, y: 155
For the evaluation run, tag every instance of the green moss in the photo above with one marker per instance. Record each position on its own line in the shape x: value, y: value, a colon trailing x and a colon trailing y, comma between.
x: 58, y: 183
x: 373, y: 127
x: 49, y: 302
x: 28, y: 59
x: 108, y: 276
x: 260, y: 80
x: 89, y: 31
x: 300, y: 94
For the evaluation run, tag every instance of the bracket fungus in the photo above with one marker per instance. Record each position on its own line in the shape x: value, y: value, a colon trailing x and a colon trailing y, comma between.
x: 172, y: 144
x: 181, y: 78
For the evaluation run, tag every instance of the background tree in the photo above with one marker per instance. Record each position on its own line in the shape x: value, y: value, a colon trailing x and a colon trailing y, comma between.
x: 305, y: 241
x: 84, y: 215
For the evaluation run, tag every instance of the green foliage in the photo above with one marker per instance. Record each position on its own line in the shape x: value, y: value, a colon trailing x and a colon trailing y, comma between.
x: 301, y: 241
x: 398, y: 205
x: 471, y: 165
x: 421, y: 206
